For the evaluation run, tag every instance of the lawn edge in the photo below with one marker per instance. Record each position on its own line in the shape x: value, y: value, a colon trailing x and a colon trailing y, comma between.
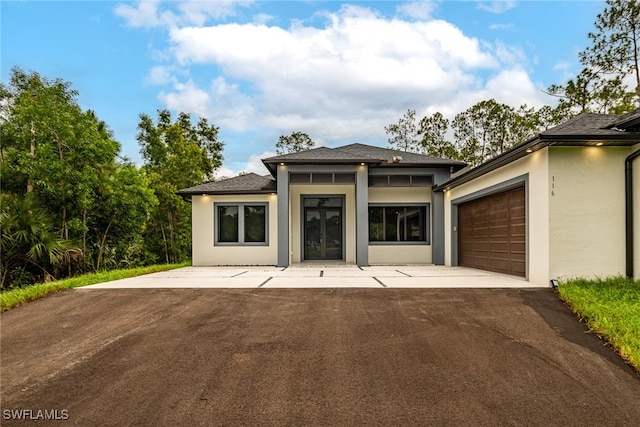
x: 16, y: 297
x: 585, y: 317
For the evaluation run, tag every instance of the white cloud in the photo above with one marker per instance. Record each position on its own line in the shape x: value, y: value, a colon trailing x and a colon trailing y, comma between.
x: 161, y: 75
x: 223, y: 173
x: 188, y: 97
x: 255, y: 165
x: 497, y: 6
x: 501, y: 27
x: 509, y: 54
x: 262, y: 19
x: 358, y: 70
x: 341, y: 82
x: 144, y: 15
x: 420, y: 10
x: 150, y: 13
x: 514, y: 87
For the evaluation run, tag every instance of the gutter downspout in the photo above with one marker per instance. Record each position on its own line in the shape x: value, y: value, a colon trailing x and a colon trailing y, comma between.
x: 628, y: 188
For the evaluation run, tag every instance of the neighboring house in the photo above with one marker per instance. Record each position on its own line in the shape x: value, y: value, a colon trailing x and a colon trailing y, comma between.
x: 554, y: 206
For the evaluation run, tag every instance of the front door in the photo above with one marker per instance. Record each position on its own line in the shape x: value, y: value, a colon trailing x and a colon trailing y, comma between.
x: 323, y: 229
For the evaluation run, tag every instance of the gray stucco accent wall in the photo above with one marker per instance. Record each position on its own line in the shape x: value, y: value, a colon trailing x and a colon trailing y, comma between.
x: 437, y: 228
x: 362, y: 216
x: 283, y: 216
x: 440, y: 176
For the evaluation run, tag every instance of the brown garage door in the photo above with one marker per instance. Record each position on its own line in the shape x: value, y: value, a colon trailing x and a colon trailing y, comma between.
x: 492, y: 233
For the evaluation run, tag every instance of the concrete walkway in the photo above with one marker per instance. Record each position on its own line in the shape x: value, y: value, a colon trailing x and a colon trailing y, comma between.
x: 320, y: 276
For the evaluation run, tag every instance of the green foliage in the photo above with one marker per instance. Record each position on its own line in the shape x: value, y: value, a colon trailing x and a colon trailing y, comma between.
x: 15, y: 297
x: 434, y: 137
x: 611, y: 58
x: 126, y: 201
x: 65, y: 160
x: 294, y: 143
x: 489, y: 128
x: 611, y: 308
x: 404, y: 135
x: 30, y: 249
x: 483, y: 131
x: 177, y: 155
x: 53, y: 148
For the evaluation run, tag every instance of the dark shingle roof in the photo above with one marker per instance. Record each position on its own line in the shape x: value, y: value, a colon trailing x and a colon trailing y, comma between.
x: 250, y: 183
x: 387, y: 155
x: 592, y: 126
x: 359, y: 153
x: 321, y: 154
x: 626, y: 121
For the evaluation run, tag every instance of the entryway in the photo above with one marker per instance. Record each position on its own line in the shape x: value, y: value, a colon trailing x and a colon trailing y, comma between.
x: 323, y: 228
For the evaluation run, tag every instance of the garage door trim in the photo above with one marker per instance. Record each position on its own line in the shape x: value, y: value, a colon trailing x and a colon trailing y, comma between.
x: 488, y: 191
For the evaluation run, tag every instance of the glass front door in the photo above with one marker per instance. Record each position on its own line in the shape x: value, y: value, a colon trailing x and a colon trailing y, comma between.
x: 323, y: 229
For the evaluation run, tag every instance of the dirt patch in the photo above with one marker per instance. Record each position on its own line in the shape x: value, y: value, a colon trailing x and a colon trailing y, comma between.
x: 312, y: 357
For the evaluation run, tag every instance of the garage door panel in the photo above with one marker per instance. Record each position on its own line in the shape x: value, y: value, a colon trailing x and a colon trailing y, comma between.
x: 492, y: 232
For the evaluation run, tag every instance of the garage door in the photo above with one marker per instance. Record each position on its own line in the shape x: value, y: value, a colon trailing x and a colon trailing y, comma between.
x: 492, y: 232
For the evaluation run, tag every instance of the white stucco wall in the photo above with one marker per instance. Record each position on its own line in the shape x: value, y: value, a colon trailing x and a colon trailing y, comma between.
x: 205, y: 253
x: 636, y: 213
x: 400, y: 254
x: 535, y: 166
x: 295, y: 217
x: 587, y: 211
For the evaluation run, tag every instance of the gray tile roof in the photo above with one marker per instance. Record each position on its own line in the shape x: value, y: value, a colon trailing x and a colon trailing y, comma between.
x: 250, y: 183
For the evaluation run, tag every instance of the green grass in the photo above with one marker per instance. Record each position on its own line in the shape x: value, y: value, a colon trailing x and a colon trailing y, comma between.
x: 15, y: 297
x: 611, y: 308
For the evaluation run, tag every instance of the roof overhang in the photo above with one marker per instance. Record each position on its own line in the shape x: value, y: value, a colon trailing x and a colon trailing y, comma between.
x: 222, y: 193
x: 272, y: 165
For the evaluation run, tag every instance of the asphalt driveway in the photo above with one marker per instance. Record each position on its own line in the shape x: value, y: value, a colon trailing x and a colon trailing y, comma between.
x: 309, y: 357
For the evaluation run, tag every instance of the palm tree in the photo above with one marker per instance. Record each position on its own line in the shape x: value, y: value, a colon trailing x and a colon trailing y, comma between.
x: 30, y: 249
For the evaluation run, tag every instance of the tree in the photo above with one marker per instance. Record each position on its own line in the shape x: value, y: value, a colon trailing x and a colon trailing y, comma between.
x: 594, y: 92
x: 489, y: 128
x: 31, y: 250
x: 177, y: 155
x: 296, y: 142
x: 616, y: 44
x: 404, y: 134
x: 123, y: 207
x: 52, y: 148
x: 608, y: 62
x: 434, y: 142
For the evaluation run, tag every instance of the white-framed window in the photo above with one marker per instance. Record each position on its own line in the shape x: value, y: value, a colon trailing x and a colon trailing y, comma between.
x: 241, y: 223
x: 399, y: 223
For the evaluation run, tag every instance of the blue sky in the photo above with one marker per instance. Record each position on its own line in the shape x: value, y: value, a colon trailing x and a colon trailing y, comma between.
x: 339, y: 71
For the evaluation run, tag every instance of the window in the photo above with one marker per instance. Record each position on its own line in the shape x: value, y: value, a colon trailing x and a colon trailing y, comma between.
x: 398, y: 223
x: 241, y: 224
x: 322, y: 178
x: 400, y: 180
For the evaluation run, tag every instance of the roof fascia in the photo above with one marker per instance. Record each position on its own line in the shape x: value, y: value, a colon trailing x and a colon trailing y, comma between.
x: 622, y: 139
x: 223, y: 193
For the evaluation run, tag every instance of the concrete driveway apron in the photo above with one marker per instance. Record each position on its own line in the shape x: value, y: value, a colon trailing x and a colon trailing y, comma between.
x: 320, y: 276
